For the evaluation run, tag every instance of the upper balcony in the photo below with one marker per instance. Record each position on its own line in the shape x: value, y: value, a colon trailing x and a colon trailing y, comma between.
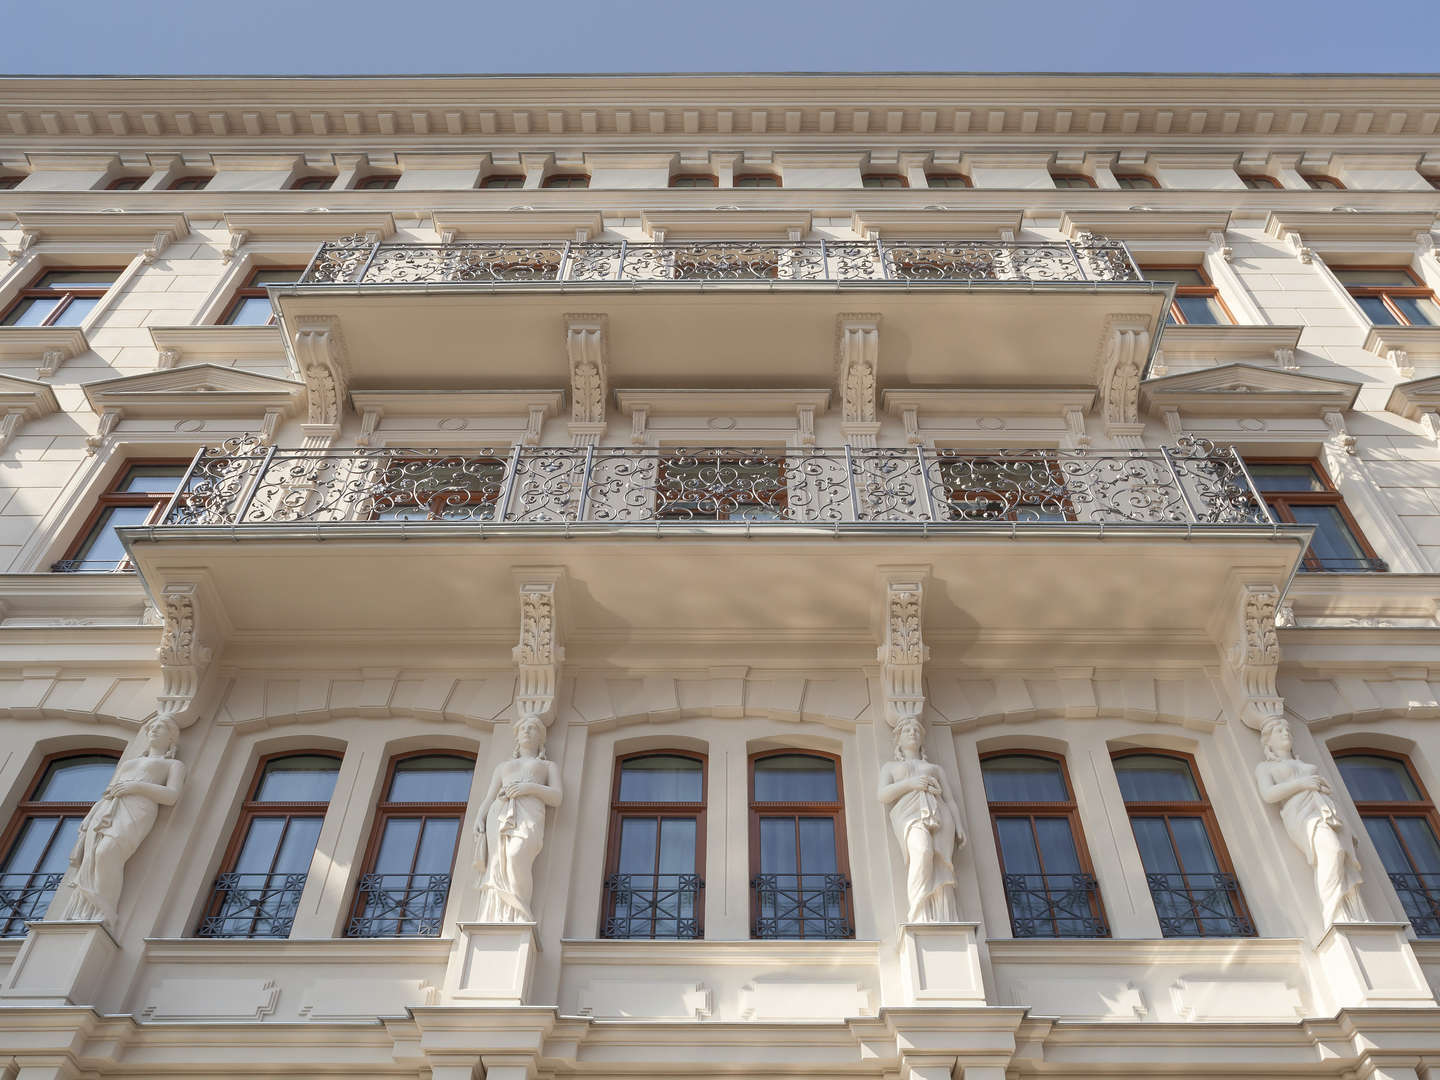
x: 721, y: 313
x: 724, y: 539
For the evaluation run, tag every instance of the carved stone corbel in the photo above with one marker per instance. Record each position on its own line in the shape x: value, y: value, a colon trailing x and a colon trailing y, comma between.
x: 1127, y: 344
x: 910, y: 417
x: 1285, y: 359
x: 320, y: 356
x: 639, y: 416
x: 157, y: 246
x: 857, y: 351
x: 184, y: 655
x: 903, y: 654
x: 9, y: 424
x: 369, y: 421
x: 1254, y: 658
x: 270, y: 426
x: 1220, y: 247
x: 237, y: 241
x: 50, y: 361
x: 539, y: 654
x: 167, y: 358
x: 805, y: 424
x: 534, y: 423
x: 1076, y: 437
x: 27, y: 240
x: 108, y: 419
x: 1340, y: 437
x: 585, y: 342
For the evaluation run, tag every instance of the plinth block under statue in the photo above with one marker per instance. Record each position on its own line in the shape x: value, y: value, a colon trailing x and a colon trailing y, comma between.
x: 510, y: 828
x: 926, y: 822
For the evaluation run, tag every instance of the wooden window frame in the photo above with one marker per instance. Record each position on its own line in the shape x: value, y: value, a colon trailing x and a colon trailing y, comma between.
x: 112, y: 498
x: 1418, y: 291
x: 11, y: 182
x: 33, y: 291
x: 1422, y: 808
x: 1069, y: 810
x: 249, y: 291
x: 619, y: 811
x: 1087, y: 181
x: 499, y: 181
x: 29, y: 808
x: 738, y: 181
x: 188, y: 182
x: 1270, y: 182
x: 1147, y: 182
x: 307, y: 183
x: 1327, y: 182
x: 377, y: 182
x: 560, y: 181
x: 126, y: 183
x: 1279, y: 503
x: 885, y: 177
x: 250, y: 810
x: 1188, y: 808
x: 835, y: 811
x: 1209, y: 291
x: 714, y: 181
x: 385, y: 811
x: 965, y: 181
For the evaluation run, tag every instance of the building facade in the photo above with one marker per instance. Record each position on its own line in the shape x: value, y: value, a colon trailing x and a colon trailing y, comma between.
x: 869, y: 576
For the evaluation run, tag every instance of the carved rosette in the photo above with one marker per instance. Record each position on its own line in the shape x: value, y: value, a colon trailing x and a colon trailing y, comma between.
x: 902, y: 656
x: 538, y: 655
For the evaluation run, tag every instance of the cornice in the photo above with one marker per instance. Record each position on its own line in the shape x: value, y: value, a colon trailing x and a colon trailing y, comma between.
x: 181, y: 344
x: 683, y: 402
x: 83, y: 225
x: 1415, y: 398
x: 194, y: 390
x: 960, y: 401
x: 457, y: 402
x: 304, y: 225
x: 514, y: 222
x: 1247, y: 390
x: 27, y: 397
x: 940, y: 221
x: 753, y: 224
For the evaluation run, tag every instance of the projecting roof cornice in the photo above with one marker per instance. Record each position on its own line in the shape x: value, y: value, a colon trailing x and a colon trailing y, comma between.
x: 1184, y: 226
x: 1415, y: 398
x: 1247, y: 390
x: 700, y: 224
x: 163, y: 227
x: 521, y: 223
x: 945, y: 224
x: 1349, y: 230
x: 1143, y: 108
x: 257, y: 225
x: 27, y: 397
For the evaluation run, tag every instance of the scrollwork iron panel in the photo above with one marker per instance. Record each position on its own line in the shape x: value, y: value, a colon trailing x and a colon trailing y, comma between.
x: 400, y: 905
x: 1420, y: 897
x: 24, y: 898
x: 652, y: 906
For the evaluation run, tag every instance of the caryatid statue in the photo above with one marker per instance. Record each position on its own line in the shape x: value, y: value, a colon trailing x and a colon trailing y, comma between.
x: 926, y: 822
x: 510, y: 828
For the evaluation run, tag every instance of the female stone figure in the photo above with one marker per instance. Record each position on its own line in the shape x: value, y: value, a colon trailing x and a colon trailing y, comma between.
x: 1312, y: 822
x: 926, y: 823
x: 510, y: 829
x: 121, y: 819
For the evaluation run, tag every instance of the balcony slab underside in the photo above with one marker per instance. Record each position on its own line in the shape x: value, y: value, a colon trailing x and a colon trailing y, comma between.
x: 724, y: 334
x: 437, y: 579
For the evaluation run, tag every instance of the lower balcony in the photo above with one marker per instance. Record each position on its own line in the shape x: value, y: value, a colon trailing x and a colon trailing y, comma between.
x: 714, y: 540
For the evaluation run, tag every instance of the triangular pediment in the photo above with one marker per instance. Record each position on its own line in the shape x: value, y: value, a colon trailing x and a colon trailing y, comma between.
x: 1415, y: 398
x: 1234, y: 389
x: 28, y: 396
x: 197, y: 389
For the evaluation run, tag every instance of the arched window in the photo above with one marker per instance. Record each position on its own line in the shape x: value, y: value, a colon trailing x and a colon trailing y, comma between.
x: 1049, y: 885
x: 42, y: 833
x: 656, y: 853
x: 263, y: 875
x: 800, y: 876
x: 1400, y: 819
x: 1186, y: 866
x: 406, y: 876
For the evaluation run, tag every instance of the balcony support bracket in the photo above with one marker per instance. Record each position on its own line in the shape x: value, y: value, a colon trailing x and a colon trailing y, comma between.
x: 585, y: 343
x: 857, y: 354
x: 320, y: 360
x: 1124, y: 351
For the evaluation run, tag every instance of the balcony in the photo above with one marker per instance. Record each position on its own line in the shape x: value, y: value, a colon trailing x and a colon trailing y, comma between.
x: 720, y: 313
x: 713, y: 541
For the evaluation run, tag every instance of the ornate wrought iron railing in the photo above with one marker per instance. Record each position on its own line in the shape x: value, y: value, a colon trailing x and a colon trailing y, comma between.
x: 1199, y: 905
x: 253, y: 906
x: 23, y: 898
x: 400, y: 905
x: 1054, y: 905
x: 801, y: 906
x: 355, y: 260
x: 1420, y: 897
x: 652, y: 906
x: 242, y: 483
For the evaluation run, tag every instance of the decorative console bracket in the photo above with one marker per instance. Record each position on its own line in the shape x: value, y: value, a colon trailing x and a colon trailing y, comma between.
x: 585, y: 343
x: 320, y: 358
x: 902, y: 656
x: 857, y: 354
x: 1254, y: 657
x: 185, y: 652
x: 1126, y: 345
x: 539, y: 655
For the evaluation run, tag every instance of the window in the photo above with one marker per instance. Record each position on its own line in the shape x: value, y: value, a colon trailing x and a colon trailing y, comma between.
x: 437, y: 489
x: 1300, y: 492
x: 505, y: 181
x: 691, y: 181
x: 377, y: 182
x: 189, y: 183
x: 891, y: 181
x: 1433, y: 181
x: 721, y: 486
x: 139, y: 496
x: 251, y: 305
x: 1256, y: 182
x: 1197, y: 302
x: 948, y: 180
x: 258, y: 893
x: 656, y: 851
x: 1049, y: 885
x: 406, y: 879
x: 1401, y: 821
x: 567, y: 180
x: 1137, y: 182
x: 1322, y: 183
x: 800, y: 877
x: 1186, y: 867
x: 1072, y: 180
x: 126, y: 183
x: 38, y: 843
x: 979, y: 487
x: 10, y: 183
x: 60, y: 298
x: 1389, y: 295
x: 312, y: 183
x: 757, y: 180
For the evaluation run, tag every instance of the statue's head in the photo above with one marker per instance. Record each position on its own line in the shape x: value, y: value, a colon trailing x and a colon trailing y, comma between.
x: 529, y: 737
x: 162, y: 735
x: 1275, y: 737
x: 910, y: 739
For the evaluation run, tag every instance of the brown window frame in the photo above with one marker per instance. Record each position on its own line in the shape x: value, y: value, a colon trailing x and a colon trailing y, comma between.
x: 377, y: 182
x: 126, y: 183
x: 250, y: 291
x: 1279, y: 503
x: 1188, y: 808
x: 965, y: 181
x: 1210, y: 291
x: 1146, y: 181
x: 33, y: 291
x: 188, y: 182
x: 737, y: 181
x: 251, y: 809
x: 308, y: 183
x: 1418, y: 291
x: 1269, y: 184
x: 560, y: 181
x: 619, y: 811
x: 11, y: 182
x: 835, y: 811
x: 386, y: 811
x: 500, y: 181
x: 1422, y: 808
x: 1069, y: 810
x: 1326, y: 182
x: 29, y: 808
x: 1087, y: 181
x: 885, y: 177
x: 714, y: 181
x: 111, y: 498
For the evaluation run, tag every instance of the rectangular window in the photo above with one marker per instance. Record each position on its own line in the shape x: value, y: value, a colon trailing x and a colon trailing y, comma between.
x: 1390, y: 295
x: 138, y: 496
x: 1197, y: 301
x: 60, y: 298
x: 1072, y: 180
x: 1299, y: 492
x: 251, y: 304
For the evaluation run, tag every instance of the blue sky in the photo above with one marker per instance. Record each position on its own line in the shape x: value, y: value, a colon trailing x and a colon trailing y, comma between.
x: 414, y: 36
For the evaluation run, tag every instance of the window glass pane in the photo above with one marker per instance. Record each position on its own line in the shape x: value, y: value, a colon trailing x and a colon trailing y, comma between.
x: 757, y: 182
x: 693, y: 182
x: 76, y: 779
x: 32, y: 847
x: 882, y: 182
x: 1057, y: 846
x: 78, y: 279
x: 298, y: 846
x: 795, y: 778
x: 1333, y: 543
x: 946, y: 181
x: 1387, y: 843
x: 275, y: 275
x: 103, y: 550
x: 250, y: 311
x: 777, y: 846
x: 1417, y: 310
x: 153, y: 479
x: 261, y: 840
x: 1153, y: 778
x: 677, y: 846
x: 378, y: 183
x: 1157, y: 854
x: 1285, y: 477
x: 817, y: 846
x: 509, y: 183
x: 437, y: 846
x: 637, y: 845
x: 1022, y: 778
x: 76, y: 311
x: 299, y: 778
x: 1200, y: 310
x: 1017, y: 846
x: 1193, y: 842
x: 1421, y: 843
x: 1376, y: 311
x: 32, y: 311
x: 1376, y: 779
x: 1260, y: 183
x: 660, y: 778
x: 1182, y: 275
x: 397, y: 845
x: 436, y: 778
